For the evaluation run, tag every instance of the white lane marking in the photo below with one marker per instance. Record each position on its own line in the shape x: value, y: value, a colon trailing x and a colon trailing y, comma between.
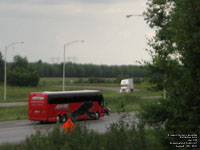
x: 20, y: 123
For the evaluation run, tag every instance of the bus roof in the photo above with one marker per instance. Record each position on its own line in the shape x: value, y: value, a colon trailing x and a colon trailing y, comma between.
x: 80, y: 92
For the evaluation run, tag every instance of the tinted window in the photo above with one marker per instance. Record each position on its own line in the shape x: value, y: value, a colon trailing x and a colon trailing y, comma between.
x: 67, y: 98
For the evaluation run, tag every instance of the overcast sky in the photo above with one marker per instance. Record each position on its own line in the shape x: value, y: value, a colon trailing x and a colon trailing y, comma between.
x: 46, y: 25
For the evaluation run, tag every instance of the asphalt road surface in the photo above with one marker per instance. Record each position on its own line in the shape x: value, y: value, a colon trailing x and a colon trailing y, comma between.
x: 13, y: 104
x: 17, y: 131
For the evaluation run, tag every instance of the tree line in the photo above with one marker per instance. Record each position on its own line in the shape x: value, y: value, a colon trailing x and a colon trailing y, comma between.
x: 88, y: 70
x: 176, y: 68
x: 20, y: 70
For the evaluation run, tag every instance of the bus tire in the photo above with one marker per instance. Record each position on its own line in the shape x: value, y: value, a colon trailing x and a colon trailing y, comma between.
x: 64, y: 118
x: 107, y: 113
x: 42, y: 122
x: 58, y: 119
x: 97, y: 115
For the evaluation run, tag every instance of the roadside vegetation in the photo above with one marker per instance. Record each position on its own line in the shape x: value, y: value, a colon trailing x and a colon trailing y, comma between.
x: 118, y: 136
x: 114, y: 100
x: 44, y: 69
x: 13, y: 113
x: 20, y: 94
x: 175, y: 67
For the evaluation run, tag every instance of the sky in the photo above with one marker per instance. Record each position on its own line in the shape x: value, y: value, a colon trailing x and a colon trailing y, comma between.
x: 46, y: 25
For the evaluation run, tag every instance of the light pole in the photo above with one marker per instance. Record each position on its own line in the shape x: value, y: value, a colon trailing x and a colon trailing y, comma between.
x: 141, y: 15
x: 131, y: 15
x: 67, y: 44
x: 6, y: 48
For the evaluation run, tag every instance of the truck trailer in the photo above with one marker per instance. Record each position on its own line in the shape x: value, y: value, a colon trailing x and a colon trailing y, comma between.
x: 126, y: 85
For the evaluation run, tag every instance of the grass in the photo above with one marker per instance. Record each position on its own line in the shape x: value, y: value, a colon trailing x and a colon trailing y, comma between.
x: 11, y: 146
x: 127, y: 101
x: 20, y: 94
x: 131, y: 101
x: 118, y: 136
x: 116, y: 101
x: 13, y: 113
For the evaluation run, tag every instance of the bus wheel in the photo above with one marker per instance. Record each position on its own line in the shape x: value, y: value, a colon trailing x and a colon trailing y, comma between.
x: 107, y: 113
x: 58, y: 119
x: 64, y: 118
x: 97, y: 115
x: 42, y: 122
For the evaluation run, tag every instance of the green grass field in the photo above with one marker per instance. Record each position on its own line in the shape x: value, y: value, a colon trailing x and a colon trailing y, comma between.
x: 127, y: 101
x: 116, y: 101
x: 20, y: 94
x: 13, y: 113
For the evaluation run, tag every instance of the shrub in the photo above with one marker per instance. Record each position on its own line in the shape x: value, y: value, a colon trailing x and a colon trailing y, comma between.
x: 118, y: 136
x: 96, y: 80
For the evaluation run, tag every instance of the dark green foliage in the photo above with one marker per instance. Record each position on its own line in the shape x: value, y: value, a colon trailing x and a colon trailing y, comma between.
x: 21, y: 74
x: 96, y: 80
x: 119, y: 136
x: 1, y: 68
x: 88, y: 70
x: 176, y: 59
x: 138, y: 80
x: 12, y: 146
x: 80, y: 139
x: 119, y: 78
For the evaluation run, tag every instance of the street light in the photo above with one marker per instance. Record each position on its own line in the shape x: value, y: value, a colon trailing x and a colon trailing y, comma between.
x: 131, y: 15
x: 6, y: 48
x: 141, y: 15
x: 67, y: 44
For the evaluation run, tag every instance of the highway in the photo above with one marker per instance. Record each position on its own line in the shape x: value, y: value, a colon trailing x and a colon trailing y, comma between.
x: 17, y: 131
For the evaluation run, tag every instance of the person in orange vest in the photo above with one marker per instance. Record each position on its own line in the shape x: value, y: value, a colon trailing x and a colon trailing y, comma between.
x: 68, y: 126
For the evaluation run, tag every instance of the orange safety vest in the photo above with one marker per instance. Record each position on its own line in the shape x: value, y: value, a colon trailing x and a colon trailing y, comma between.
x: 68, y: 126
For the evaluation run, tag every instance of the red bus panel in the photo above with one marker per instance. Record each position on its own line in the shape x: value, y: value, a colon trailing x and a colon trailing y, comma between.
x: 50, y: 106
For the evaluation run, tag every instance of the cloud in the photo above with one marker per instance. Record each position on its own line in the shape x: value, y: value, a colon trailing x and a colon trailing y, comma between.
x: 61, y: 1
x: 63, y: 8
x: 45, y: 25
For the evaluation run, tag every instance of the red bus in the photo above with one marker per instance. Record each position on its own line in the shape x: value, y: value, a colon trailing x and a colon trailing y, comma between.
x: 58, y: 106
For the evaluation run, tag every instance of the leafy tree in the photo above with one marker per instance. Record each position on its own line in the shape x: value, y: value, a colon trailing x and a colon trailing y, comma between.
x: 21, y: 74
x: 176, y: 59
x: 88, y: 70
x: 1, y: 68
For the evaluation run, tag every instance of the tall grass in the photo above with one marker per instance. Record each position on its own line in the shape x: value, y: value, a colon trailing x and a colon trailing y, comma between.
x: 119, y: 136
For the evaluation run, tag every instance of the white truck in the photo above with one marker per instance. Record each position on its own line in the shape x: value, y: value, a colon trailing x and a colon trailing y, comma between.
x: 126, y: 85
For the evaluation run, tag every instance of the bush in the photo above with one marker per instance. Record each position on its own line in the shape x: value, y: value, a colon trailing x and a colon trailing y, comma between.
x: 118, y: 136
x: 96, y: 80
x: 137, y: 80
